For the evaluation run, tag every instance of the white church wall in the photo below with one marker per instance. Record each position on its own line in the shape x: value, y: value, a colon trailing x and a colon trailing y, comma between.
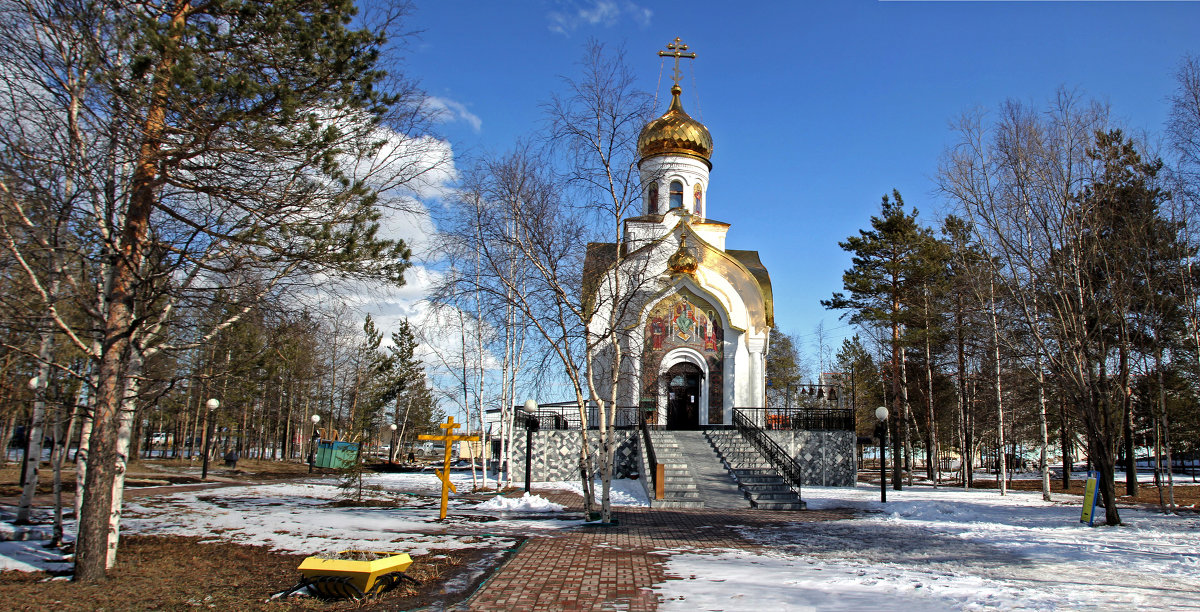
x: 712, y: 233
x: 732, y: 379
x: 663, y: 169
x: 756, y: 344
x: 741, y: 373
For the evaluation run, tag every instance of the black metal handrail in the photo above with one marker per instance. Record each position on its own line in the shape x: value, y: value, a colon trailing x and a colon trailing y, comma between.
x: 787, y: 466
x: 803, y: 419
x: 651, y: 459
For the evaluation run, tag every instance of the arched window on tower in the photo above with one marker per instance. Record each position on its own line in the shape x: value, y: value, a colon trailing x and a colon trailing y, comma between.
x: 652, y: 197
x: 676, y: 194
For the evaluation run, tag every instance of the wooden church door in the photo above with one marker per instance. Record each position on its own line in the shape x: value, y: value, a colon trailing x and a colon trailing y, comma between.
x: 683, y: 396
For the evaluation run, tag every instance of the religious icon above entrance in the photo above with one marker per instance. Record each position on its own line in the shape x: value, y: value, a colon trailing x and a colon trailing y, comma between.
x: 684, y: 320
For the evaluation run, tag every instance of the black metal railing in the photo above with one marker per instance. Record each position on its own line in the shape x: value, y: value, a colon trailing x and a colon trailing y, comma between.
x: 651, y: 459
x: 567, y: 417
x: 802, y: 419
x: 784, y: 463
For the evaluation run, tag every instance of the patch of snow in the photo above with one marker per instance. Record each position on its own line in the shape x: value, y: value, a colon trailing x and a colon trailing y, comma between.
x: 525, y: 503
x: 32, y: 556
x: 300, y: 517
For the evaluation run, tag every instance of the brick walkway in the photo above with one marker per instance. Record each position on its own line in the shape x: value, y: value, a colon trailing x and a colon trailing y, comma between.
x: 614, y: 568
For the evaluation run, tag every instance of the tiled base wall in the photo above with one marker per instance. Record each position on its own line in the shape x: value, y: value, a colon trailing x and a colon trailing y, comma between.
x: 826, y: 457
x: 556, y: 454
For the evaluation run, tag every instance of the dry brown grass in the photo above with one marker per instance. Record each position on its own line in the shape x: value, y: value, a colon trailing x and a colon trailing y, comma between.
x: 179, y: 573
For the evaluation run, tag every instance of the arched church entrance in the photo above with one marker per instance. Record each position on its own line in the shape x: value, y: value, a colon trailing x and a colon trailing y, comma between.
x: 683, y: 396
x: 683, y: 328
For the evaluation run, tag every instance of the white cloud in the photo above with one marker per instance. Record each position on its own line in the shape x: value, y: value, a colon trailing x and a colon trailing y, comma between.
x: 574, y: 14
x: 447, y: 110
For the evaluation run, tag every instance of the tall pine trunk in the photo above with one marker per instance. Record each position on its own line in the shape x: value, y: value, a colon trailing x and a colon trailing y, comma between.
x: 92, y: 548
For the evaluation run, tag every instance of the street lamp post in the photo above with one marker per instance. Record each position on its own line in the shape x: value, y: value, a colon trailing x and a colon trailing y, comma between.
x: 146, y: 428
x: 312, y: 442
x: 881, y: 413
x: 392, y: 446
x: 212, y: 404
x: 531, y: 424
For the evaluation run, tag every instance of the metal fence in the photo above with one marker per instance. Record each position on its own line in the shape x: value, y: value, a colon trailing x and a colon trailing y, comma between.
x: 803, y: 419
x: 567, y: 417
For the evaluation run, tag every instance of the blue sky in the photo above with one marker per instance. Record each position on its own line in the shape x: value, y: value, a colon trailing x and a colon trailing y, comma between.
x: 816, y: 108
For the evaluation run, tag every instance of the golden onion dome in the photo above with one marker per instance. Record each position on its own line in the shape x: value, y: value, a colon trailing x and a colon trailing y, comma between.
x: 682, y: 261
x: 676, y: 133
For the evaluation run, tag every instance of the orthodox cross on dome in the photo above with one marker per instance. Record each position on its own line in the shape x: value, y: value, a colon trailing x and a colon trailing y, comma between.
x: 676, y: 50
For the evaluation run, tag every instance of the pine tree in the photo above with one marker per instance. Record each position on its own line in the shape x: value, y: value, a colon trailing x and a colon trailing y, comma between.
x: 200, y: 141
x: 883, y: 282
x: 783, y: 369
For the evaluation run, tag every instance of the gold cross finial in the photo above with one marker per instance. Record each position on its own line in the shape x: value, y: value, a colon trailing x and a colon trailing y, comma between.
x: 676, y: 50
x: 450, y: 424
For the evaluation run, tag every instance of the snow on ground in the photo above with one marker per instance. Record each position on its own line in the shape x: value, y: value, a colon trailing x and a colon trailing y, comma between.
x: 525, y: 503
x: 304, y: 517
x: 31, y: 556
x: 300, y: 517
x: 948, y: 549
x: 624, y: 492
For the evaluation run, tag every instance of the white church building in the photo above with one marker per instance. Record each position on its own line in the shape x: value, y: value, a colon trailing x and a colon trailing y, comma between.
x: 692, y: 321
x: 693, y: 317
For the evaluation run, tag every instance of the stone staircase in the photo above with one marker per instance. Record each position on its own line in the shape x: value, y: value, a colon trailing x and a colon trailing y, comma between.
x: 680, y: 489
x: 717, y: 469
x: 755, y: 476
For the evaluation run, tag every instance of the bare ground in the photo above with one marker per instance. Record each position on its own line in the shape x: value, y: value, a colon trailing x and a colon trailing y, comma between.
x: 178, y: 573
x: 183, y: 573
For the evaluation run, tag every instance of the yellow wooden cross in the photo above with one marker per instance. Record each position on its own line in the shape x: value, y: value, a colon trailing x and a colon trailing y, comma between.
x: 449, y: 437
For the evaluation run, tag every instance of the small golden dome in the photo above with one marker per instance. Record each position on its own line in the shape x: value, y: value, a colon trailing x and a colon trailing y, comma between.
x: 676, y: 133
x: 682, y: 261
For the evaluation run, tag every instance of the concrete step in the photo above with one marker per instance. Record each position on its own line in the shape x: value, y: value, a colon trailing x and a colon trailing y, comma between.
x: 797, y: 505
x: 765, y: 487
x: 682, y: 496
x: 786, y: 496
x: 676, y: 503
x: 680, y: 485
x: 756, y: 477
x: 748, y: 462
x: 740, y: 472
x: 755, y: 480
